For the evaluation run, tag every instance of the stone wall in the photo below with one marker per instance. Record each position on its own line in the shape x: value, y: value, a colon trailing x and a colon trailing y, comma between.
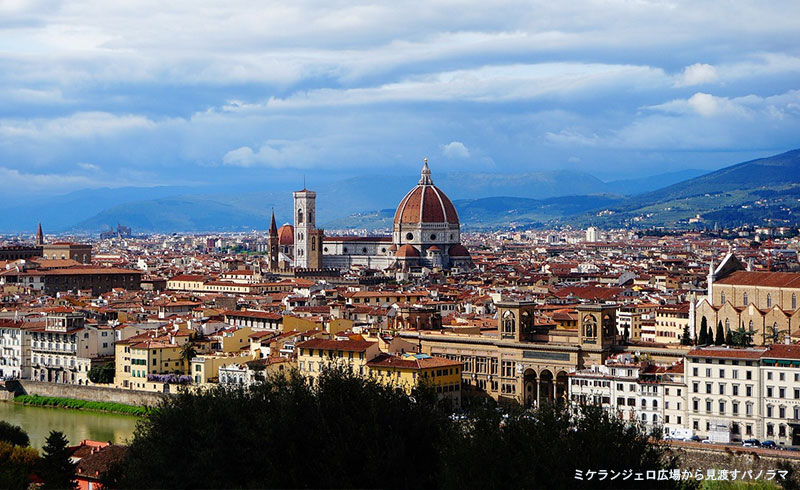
x: 693, y: 456
x: 88, y: 393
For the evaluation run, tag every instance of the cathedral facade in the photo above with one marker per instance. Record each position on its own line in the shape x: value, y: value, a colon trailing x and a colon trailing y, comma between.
x: 426, y: 234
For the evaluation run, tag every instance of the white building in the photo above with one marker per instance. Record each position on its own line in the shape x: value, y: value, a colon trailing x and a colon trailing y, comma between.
x: 14, y: 350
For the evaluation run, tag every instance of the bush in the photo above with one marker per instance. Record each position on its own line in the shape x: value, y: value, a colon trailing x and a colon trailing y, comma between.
x: 52, y: 401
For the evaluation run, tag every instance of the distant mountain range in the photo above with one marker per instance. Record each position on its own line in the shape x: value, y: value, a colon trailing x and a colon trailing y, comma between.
x: 749, y: 192
x: 762, y: 191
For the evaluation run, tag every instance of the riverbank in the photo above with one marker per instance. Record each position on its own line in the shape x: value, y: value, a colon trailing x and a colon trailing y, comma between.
x: 72, y: 403
x: 77, y: 425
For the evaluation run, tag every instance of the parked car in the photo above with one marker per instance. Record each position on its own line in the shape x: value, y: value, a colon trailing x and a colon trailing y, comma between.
x: 751, y: 443
x: 695, y: 439
x: 769, y: 444
x: 707, y: 441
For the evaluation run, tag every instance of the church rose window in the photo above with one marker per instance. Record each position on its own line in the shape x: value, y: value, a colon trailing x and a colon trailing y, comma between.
x: 433, y: 236
x: 409, y: 236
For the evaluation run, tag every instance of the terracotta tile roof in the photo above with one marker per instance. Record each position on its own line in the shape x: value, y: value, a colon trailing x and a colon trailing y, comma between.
x: 767, y: 279
x: 343, y: 345
x: 726, y: 352
x: 782, y: 351
x: 92, y: 466
x: 411, y: 362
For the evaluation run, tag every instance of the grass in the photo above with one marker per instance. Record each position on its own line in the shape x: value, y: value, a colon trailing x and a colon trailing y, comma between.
x: 53, y: 401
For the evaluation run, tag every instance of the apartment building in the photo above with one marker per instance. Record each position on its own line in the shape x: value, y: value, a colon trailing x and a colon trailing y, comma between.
x: 15, y: 344
x: 724, y: 392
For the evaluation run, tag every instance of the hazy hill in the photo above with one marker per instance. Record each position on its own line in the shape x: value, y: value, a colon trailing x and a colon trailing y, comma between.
x: 751, y: 192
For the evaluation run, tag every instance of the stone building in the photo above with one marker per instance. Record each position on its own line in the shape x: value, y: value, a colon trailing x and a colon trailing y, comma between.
x: 762, y: 302
x: 526, y: 360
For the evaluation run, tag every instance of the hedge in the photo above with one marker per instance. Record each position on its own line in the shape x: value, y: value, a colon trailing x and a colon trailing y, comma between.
x: 53, y: 401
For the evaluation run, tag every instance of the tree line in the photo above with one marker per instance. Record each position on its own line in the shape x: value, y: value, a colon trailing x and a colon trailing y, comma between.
x: 346, y: 431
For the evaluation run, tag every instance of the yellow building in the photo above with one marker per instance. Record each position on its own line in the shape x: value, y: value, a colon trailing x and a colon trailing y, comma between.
x: 314, y: 355
x: 670, y: 323
x: 406, y: 371
x: 137, y: 359
x: 231, y: 339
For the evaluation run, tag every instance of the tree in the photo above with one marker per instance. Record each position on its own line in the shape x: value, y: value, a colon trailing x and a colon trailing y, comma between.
x: 57, y: 469
x: 102, y: 374
x: 742, y: 337
x: 728, y: 337
x: 188, y: 352
x: 703, y: 337
x: 719, y: 337
x: 686, y: 339
x: 16, y: 465
x: 710, y: 338
x: 13, y: 434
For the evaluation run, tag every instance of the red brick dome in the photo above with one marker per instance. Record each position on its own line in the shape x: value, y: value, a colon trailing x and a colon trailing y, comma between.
x: 406, y: 251
x: 425, y: 203
x: 286, y: 235
x: 458, y: 250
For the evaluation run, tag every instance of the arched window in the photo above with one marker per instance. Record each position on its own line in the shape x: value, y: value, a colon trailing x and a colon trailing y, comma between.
x: 589, y: 326
x: 727, y: 324
x: 744, y: 299
x: 311, y: 216
x: 794, y: 301
x: 769, y: 300
x: 722, y: 298
x: 508, y: 325
x: 751, y: 325
x: 299, y: 215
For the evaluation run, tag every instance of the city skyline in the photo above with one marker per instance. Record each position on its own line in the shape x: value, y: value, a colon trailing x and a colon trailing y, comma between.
x: 120, y: 96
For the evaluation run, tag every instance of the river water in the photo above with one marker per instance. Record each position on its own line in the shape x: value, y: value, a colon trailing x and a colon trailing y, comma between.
x: 75, y: 424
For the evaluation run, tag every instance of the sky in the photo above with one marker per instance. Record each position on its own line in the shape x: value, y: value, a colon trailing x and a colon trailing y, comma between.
x: 142, y: 93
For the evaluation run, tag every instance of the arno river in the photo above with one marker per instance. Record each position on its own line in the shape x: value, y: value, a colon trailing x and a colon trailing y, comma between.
x: 75, y: 424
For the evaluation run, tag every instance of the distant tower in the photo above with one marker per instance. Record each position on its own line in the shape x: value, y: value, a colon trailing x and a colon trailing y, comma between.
x: 272, y: 244
x: 591, y: 234
x: 307, y: 238
x: 39, y: 236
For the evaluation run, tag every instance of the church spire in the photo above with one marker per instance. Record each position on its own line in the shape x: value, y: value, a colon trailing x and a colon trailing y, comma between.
x: 425, y: 177
x: 39, y: 235
x: 273, y: 227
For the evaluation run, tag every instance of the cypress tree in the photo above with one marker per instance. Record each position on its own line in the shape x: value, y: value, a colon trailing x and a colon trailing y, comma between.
x: 58, y: 470
x: 686, y: 339
x: 729, y: 337
x: 719, y: 338
x: 702, y: 339
x: 710, y: 337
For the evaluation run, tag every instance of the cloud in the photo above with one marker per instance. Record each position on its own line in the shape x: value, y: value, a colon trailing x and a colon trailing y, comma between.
x: 696, y: 74
x: 455, y: 149
x: 78, y: 125
x: 89, y: 166
x: 13, y: 181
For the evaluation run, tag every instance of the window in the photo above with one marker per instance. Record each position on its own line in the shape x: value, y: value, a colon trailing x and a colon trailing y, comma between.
x: 735, y: 390
x: 722, y: 407
x: 722, y: 298
x: 735, y: 408
x: 748, y: 391
x: 744, y: 299
x: 769, y: 300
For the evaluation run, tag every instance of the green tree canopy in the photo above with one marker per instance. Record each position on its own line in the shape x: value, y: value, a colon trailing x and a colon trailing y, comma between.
x: 102, y: 374
x: 347, y: 431
x: 16, y: 465
x: 13, y: 434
